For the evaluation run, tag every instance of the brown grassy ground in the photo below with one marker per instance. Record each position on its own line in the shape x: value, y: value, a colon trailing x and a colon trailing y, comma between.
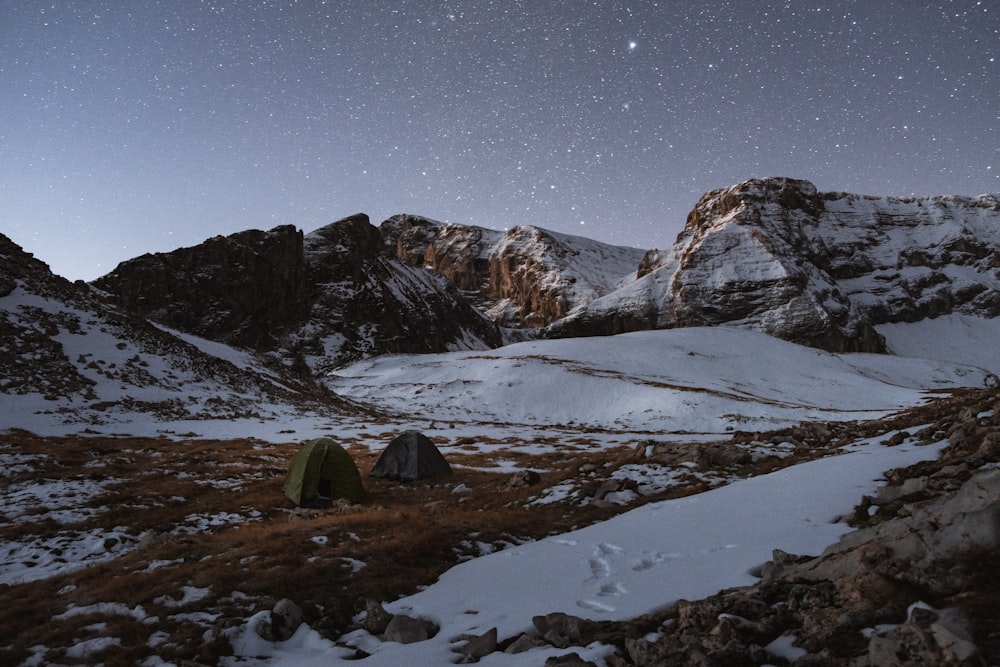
x: 405, y: 534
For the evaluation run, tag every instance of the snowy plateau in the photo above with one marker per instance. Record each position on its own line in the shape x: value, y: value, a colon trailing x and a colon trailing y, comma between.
x: 725, y: 480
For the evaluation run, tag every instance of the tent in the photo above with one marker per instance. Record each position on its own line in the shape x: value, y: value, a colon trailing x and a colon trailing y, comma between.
x: 410, y: 456
x: 320, y: 471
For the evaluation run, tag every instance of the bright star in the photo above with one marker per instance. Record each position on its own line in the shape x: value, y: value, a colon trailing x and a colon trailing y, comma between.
x: 632, y: 46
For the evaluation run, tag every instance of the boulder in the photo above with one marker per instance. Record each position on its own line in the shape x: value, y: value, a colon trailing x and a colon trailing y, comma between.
x: 376, y: 617
x: 928, y: 637
x: 284, y: 619
x: 931, y: 531
x: 521, y: 479
x: 478, y: 646
x: 408, y: 630
x: 523, y: 642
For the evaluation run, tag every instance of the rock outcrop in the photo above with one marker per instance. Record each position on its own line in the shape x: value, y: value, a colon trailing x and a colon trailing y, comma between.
x: 310, y: 301
x: 524, y: 278
x: 461, y: 253
x: 822, y: 269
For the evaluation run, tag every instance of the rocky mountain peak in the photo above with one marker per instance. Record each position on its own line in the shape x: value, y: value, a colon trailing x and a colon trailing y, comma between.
x: 18, y: 267
x: 822, y: 269
x: 787, y: 193
x: 353, y: 235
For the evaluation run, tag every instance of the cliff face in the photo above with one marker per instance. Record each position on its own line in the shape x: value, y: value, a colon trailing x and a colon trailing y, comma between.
x: 526, y: 277
x: 820, y: 269
x: 242, y: 289
x: 367, y: 301
x: 461, y: 253
x: 313, y: 301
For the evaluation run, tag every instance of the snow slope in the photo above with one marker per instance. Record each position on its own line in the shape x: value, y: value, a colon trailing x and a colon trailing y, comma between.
x: 960, y: 339
x: 693, y: 380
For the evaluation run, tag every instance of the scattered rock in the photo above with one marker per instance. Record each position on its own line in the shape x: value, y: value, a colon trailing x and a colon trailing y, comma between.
x: 522, y: 478
x: 615, y: 486
x: 928, y: 637
x: 569, y: 660
x: 284, y: 620
x: 376, y: 617
x: 723, y: 455
x: 930, y: 532
x: 478, y: 646
x: 524, y: 642
x: 408, y: 630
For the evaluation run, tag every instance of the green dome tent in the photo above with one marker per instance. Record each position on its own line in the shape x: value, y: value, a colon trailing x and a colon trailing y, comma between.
x: 320, y: 471
x: 409, y: 457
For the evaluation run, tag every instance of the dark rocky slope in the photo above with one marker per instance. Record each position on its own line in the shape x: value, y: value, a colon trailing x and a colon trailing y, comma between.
x: 65, y: 352
x: 311, y: 301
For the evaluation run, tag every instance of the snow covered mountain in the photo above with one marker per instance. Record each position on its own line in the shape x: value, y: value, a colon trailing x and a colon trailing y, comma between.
x: 526, y: 277
x: 823, y: 269
x: 774, y: 255
x: 835, y: 271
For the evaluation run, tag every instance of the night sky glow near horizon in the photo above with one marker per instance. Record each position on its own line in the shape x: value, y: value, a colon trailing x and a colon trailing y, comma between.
x: 137, y: 126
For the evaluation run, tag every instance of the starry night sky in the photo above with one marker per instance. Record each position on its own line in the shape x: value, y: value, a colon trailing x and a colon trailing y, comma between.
x: 142, y: 126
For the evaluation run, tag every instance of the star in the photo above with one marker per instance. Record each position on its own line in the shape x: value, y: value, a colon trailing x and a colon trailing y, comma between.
x: 169, y: 123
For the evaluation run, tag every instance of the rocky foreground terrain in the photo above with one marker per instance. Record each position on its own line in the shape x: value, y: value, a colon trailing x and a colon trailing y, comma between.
x: 913, y: 584
x: 189, y: 531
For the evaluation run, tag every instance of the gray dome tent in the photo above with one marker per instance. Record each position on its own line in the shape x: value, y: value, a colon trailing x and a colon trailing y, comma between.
x: 410, y: 456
